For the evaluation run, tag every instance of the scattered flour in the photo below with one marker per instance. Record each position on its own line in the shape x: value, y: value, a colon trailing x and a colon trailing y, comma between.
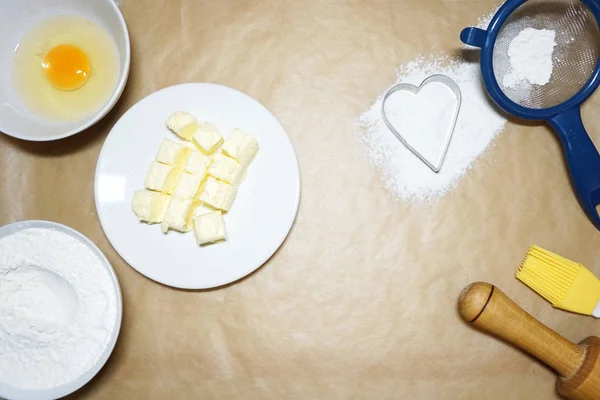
x: 427, y: 134
x: 479, y: 121
x: 530, y: 55
x: 57, y: 308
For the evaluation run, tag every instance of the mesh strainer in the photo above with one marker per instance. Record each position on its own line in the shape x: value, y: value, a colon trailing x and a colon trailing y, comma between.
x: 575, y: 76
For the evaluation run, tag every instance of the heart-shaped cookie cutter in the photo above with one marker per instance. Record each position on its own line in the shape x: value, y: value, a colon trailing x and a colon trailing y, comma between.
x: 438, y: 78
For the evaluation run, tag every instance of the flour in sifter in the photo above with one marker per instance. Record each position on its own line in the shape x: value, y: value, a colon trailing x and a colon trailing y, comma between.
x: 530, y: 55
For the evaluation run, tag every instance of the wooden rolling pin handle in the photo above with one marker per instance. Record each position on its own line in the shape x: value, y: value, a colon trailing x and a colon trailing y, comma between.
x: 487, y: 308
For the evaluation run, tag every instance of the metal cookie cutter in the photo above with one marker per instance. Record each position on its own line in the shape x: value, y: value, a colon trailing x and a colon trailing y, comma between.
x: 444, y: 80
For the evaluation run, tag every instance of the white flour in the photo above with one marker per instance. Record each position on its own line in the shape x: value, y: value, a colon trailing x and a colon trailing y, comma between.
x: 530, y: 55
x: 426, y: 134
x: 58, y: 308
x: 404, y: 175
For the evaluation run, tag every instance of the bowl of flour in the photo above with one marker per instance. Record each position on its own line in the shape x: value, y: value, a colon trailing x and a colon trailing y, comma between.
x: 60, y: 310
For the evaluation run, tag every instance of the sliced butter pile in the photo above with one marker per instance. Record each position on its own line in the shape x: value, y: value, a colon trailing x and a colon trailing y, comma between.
x: 207, y: 170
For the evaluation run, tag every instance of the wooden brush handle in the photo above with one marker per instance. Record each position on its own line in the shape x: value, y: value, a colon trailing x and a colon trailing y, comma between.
x: 490, y: 310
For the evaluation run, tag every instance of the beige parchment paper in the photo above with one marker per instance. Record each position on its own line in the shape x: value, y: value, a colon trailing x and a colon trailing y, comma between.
x: 360, y: 301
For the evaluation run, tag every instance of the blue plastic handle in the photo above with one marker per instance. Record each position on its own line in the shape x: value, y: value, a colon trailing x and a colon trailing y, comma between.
x: 582, y: 158
x: 474, y: 36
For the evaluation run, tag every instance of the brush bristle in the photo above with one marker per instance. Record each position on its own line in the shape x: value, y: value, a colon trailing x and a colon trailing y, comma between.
x: 549, y: 274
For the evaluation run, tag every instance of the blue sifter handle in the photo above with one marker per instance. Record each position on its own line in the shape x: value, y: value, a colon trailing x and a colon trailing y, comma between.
x: 582, y: 158
x: 473, y: 36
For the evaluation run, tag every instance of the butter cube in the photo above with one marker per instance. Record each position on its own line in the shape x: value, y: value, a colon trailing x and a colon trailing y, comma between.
x: 172, y: 153
x: 188, y: 186
x: 209, y: 228
x: 162, y: 178
x: 241, y: 146
x: 198, y: 163
x: 179, y: 215
x: 150, y: 206
x: 207, y: 138
x: 226, y: 169
x: 217, y: 194
x: 181, y: 122
x: 178, y: 120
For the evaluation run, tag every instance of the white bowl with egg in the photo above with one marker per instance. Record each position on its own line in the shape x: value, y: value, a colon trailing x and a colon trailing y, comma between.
x: 60, y: 311
x: 44, y: 118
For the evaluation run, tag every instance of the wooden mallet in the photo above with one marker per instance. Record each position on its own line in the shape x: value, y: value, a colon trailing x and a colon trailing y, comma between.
x: 487, y: 308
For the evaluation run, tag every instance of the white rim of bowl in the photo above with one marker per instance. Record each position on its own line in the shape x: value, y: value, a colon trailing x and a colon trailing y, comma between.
x: 108, y: 106
x: 71, y: 387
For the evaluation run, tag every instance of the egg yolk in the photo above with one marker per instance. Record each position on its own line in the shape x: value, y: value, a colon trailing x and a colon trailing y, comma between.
x: 67, y: 67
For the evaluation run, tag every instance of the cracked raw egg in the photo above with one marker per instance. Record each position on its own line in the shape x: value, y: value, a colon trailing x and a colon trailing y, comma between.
x: 66, y: 68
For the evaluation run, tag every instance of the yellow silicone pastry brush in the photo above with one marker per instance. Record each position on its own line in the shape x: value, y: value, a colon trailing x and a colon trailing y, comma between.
x: 566, y: 284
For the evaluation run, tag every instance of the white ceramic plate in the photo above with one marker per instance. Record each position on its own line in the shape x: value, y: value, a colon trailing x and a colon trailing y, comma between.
x: 262, y: 214
x: 10, y: 392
